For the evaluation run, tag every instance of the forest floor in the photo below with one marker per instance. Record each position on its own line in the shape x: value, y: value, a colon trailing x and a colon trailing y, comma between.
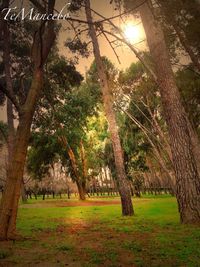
x: 65, y: 232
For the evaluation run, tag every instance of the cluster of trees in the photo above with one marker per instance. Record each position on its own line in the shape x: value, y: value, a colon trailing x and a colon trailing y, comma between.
x: 141, y: 124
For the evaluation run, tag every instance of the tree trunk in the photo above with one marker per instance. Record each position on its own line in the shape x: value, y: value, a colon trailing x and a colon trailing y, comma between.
x: 80, y: 181
x: 195, y: 59
x: 42, y: 43
x: 187, y: 179
x: 107, y: 180
x: 83, y: 160
x: 10, y: 199
x: 84, y: 177
x: 124, y: 190
x: 81, y: 190
x: 68, y: 193
x: 23, y: 192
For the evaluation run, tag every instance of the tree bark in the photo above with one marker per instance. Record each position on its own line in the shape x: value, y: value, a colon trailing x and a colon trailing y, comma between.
x: 187, y: 179
x: 42, y: 43
x: 79, y: 179
x: 84, y: 161
x: 10, y: 199
x: 195, y: 59
x: 81, y: 190
x: 124, y: 190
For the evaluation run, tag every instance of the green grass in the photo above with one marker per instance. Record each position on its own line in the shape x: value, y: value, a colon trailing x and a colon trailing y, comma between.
x: 100, y: 236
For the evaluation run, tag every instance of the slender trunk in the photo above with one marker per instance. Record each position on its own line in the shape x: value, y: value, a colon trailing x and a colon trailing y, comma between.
x: 195, y: 59
x: 124, y: 190
x: 163, y: 165
x: 42, y: 43
x: 84, y: 165
x: 23, y: 192
x: 101, y: 182
x: 159, y: 156
x: 107, y: 180
x: 160, y: 133
x: 10, y: 199
x: 81, y: 190
x: 68, y: 193
x: 187, y: 179
x: 80, y: 181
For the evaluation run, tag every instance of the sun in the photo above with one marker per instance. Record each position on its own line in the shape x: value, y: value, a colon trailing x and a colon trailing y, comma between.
x: 132, y: 32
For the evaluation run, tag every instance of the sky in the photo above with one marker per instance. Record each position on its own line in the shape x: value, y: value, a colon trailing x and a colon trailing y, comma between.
x: 125, y: 55
x: 107, y: 10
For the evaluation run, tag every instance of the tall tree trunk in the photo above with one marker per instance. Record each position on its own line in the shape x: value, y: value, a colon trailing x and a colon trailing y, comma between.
x: 84, y: 163
x: 104, y: 169
x: 196, y: 61
x: 42, y: 43
x: 187, y: 179
x: 10, y: 199
x: 80, y: 181
x: 9, y: 86
x: 124, y: 190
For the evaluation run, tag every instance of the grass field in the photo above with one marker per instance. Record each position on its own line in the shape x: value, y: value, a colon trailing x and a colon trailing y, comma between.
x: 62, y: 233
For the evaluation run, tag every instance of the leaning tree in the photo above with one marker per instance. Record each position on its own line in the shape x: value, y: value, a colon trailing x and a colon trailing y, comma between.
x: 43, y: 40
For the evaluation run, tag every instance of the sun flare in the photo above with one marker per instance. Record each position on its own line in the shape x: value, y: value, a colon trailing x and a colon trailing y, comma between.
x: 132, y: 33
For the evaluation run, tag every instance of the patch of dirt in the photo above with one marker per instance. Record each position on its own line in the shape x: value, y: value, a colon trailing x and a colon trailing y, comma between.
x: 79, y: 242
x: 87, y: 203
